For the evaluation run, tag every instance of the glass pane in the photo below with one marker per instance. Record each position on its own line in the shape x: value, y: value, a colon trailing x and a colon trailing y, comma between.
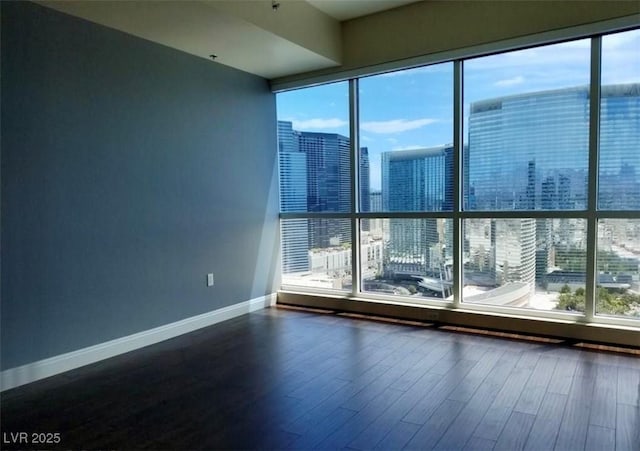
x: 408, y: 257
x: 618, y: 261
x: 527, y: 129
x: 406, y: 130
x: 619, y: 186
x: 313, y: 146
x: 316, y: 253
x: 530, y: 263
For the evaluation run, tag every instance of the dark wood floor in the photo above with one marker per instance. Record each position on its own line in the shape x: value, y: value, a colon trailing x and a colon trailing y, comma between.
x: 287, y: 379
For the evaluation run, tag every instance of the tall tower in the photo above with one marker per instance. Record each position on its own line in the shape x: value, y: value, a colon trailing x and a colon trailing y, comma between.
x: 515, y: 250
x: 365, y: 186
x: 417, y: 180
x: 544, y: 230
x: 293, y: 198
x: 328, y: 186
x: 619, y: 187
x: 516, y: 141
x: 376, y: 226
x: 528, y: 152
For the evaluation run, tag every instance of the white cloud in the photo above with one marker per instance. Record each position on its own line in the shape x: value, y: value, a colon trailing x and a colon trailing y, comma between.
x: 318, y: 124
x: 574, y: 54
x: 395, y: 125
x: 510, y: 81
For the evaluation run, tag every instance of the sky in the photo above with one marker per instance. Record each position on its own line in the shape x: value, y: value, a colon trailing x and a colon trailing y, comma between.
x: 413, y: 108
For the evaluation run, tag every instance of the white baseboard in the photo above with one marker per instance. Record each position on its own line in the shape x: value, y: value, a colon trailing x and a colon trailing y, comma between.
x: 31, y: 372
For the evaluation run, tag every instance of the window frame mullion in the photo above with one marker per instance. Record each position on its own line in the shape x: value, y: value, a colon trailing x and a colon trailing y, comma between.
x: 592, y: 201
x: 457, y: 185
x: 354, y: 152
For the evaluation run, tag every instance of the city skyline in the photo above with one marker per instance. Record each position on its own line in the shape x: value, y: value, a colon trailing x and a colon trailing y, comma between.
x: 414, y: 108
x: 523, y: 152
x: 545, y: 130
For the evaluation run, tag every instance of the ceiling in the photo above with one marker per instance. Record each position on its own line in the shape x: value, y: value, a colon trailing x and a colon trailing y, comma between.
x: 250, y: 35
x: 351, y: 9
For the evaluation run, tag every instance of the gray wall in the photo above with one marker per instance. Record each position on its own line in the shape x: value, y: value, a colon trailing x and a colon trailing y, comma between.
x: 129, y: 171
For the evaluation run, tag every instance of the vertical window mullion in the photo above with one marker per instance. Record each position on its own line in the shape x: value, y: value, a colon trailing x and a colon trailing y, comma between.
x: 457, y: 183
x: 592, y: 205
x: 355, y: 185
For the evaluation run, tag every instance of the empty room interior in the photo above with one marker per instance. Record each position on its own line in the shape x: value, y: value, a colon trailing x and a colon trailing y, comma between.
x: 320, y: 224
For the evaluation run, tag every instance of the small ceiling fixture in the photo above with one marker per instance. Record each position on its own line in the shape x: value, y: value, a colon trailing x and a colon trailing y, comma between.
x: 213, y: 56
x: 275, y: 5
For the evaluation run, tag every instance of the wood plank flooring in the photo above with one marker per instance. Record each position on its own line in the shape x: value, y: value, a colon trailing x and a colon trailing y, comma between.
x: 284, y: 379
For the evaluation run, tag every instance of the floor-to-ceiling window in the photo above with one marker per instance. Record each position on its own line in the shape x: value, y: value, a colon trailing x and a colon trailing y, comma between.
x: 526, y: 151
x: 406, y: 126
x: 315, y: 185
x: 499, y: 182
x: 618, y: 173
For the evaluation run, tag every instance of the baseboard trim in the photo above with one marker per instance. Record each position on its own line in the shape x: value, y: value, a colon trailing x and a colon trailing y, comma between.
x: 31, y: 372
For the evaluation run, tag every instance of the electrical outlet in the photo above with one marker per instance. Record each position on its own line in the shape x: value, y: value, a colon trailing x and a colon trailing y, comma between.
x: 210, y: 279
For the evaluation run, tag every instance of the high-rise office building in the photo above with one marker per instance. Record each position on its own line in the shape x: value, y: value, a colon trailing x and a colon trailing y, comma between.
x: 328, y: 175
x: 551, y: 128
x: 530, y: 152
x: 376, y: 225
x: 375, y: 201
x: 511, y: 162
x: 418, y: 180
x: 328, y: 186
x: 365, y: 186
x: 516, y: 141
x: 293, y: 170
x: 619, y: 186
x: 293, y: 198
x: 514, y: 247
x: 544, y: 229
x: 314, y: 176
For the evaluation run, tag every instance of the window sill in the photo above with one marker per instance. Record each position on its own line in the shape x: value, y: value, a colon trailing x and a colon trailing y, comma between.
x: 545, y: 324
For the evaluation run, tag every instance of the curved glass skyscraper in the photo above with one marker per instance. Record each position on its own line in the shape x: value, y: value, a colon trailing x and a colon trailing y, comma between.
x: 531, y: 152
x: 619, y: 187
